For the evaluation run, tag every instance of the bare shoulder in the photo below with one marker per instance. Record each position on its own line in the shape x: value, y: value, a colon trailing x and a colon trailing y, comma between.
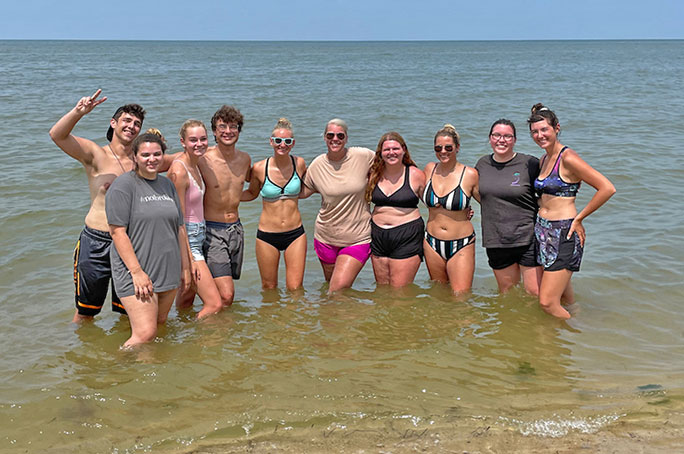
x: 212, y: 153
x: 300, y: 163
x: 83, y: 150
x: 570, y: 157
x: 178, y: 173
x: 577, y: 168
x: 416, y: 175
x: 429, y: 168
x: 92, y: 155
x: 259, y: 166
x: 177, y: 168
x: 242, y: 158
x: 471, y: 173
x: 573, y: 162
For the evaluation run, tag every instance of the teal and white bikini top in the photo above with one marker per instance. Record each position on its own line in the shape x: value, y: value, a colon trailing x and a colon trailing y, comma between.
x: 271, y: 192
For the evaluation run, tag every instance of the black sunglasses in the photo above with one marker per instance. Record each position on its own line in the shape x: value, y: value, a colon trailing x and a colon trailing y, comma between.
x: 447, y: 148
x: 331, y: 135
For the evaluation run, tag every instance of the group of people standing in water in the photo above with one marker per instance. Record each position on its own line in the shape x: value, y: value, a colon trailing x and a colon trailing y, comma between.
x: 177, y: 237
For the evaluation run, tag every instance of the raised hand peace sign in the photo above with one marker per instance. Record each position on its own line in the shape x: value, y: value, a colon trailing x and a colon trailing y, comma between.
x: 88, y: 103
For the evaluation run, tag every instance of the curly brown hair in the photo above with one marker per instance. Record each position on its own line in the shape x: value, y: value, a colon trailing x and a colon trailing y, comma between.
x: 228, y: 114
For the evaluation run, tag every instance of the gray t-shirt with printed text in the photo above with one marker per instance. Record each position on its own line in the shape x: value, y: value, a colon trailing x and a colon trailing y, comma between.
x: 151, y: 212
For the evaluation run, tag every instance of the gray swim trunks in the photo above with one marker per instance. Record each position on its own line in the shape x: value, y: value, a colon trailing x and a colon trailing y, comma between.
x: 223, y: 248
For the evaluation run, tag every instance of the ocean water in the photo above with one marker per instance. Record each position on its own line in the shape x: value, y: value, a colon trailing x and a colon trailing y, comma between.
x: 369, y: 369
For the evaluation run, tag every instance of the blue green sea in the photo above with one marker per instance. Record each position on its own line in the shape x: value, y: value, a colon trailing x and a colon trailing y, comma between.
x: 369, y: 369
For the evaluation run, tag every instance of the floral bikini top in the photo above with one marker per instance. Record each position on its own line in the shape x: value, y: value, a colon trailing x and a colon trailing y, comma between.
x: 553, y: 184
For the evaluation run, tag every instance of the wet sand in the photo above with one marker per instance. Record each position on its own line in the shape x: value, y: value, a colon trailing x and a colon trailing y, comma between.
x: 624, y: 436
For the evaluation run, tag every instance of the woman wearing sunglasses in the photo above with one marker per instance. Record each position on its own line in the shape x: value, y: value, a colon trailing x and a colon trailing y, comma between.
x: 559, y: 231
x: 342, y: 232
x: 278, y: 180
x: 509, y: 209
x: 394, y: 187
x: 449, y: 236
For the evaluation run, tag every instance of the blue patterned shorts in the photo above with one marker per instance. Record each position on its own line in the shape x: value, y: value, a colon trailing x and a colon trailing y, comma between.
x: 556, y: 252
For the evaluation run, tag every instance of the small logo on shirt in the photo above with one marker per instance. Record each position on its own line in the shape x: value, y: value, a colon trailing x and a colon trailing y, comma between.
x: 516, y: 181
x: 155, y: 198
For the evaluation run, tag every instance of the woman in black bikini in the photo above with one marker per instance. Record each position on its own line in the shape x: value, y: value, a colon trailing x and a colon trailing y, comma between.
x: 396, y: 226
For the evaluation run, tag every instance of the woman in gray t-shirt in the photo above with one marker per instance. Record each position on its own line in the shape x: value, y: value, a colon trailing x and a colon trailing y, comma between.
x: 509, y: 207
x: 148, y: 232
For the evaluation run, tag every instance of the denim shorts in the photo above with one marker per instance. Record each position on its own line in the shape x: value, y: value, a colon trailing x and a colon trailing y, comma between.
x: 196, y: 233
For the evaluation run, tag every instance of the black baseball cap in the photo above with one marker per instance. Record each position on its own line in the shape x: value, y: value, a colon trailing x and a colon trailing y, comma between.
x: 110, y: 131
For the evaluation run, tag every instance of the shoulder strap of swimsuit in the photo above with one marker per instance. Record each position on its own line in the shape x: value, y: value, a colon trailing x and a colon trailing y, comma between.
x: 541, y: 161
x: 266, y: 170
x: 183, y: 164
x: 406, y: 177
x: 556, y: 166
x: 433, y: 171
x: 294, y: 168
x: 461, y: 180
x: 186, y: 170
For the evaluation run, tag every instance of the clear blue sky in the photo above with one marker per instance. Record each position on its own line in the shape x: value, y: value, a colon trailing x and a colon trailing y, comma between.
x: 342, y: 19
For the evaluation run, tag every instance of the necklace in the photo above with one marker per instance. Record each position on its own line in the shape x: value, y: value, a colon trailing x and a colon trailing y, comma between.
x: 117, y: 159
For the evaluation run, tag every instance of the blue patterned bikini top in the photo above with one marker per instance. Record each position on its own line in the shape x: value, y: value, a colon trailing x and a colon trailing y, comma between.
x: 456, y: 200
x: 553, y: 184
x: 272, y: 192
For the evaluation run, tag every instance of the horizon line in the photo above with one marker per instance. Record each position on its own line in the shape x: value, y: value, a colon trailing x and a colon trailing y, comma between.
x: 342, y: 40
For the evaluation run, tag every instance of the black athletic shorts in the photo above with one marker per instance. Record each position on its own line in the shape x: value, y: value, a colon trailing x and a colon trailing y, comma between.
x: 93, y: 272
x: 400, y: 242
x: 500, y: 258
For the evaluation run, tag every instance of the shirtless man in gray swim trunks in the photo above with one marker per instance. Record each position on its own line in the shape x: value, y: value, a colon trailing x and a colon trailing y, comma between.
x: 224, y: 170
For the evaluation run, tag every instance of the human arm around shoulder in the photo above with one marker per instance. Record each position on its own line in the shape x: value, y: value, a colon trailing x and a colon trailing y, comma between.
x: 480, y: 164
x: 428, y: 170
x: 417, y: 180
x: 183, y: 242
x: 78, y: 148
x: 141, y: 281
x: 256, y: 181
x: 179, y: 177
x: 308, y: 185
x: 301, y: 167
x: 582, y: 171
x: 472, y: 180
x: 186, y: 268
x: 167, y: 161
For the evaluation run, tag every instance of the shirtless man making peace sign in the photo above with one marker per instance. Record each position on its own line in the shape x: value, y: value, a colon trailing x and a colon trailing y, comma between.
x: 92, y: 271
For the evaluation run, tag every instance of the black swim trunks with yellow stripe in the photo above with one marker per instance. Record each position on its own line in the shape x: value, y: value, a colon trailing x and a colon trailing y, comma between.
x: 93, y: 272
